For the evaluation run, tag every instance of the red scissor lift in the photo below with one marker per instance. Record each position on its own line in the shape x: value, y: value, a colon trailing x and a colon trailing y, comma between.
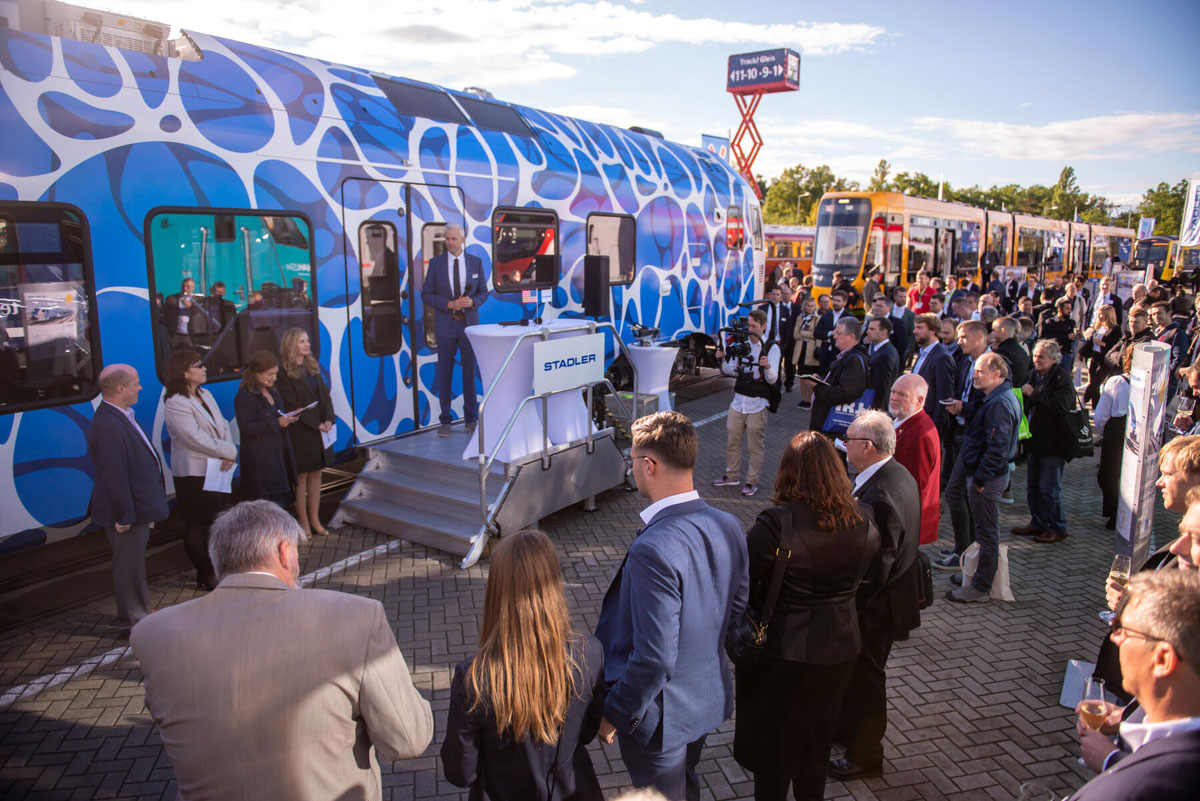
x: 750, y: 76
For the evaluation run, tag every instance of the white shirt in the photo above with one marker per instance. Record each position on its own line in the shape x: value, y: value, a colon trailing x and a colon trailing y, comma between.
x: 653, y: 509
x: 181, y: 326
x: 461, y: 258
x: 1139, y: 734
x: 865, y: 475
x: 773, y: 322
x: 903, y: 420
x: 128, y: 414
x: 898, y: 312
x: 1114, y: 401
x: 742, y: 403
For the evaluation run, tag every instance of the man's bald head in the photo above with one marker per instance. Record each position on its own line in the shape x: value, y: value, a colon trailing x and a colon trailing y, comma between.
x: 119, y: 384
x: 908, y: 396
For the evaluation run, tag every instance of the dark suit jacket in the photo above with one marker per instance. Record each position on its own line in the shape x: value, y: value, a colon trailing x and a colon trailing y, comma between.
x: 848, y: 379
x: 497, y: 767
x: 918, y: 448
x: 902, y: 334
x: 128, y: 481
x: 268, y: 465
x: 1018, y: 360
x: 1053, y: 396
x: 787, y: 321
x: 437, y: 291
x: 170, y: 314
x: 894, y: 589
x: 1110, y: 300
x: 885, y: 368
x: 815, y: 619
x: 823, y: 334
x: 663, y: 622
x: 938, y: 372
x: 1161, y: 770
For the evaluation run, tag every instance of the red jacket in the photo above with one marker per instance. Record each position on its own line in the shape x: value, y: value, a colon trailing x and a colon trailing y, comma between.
x: 919, y: 449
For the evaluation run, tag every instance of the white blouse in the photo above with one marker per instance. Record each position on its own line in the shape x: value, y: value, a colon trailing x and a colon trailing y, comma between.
x: 1114, y: 401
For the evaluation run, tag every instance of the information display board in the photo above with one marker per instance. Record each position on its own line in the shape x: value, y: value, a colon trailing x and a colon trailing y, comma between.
x: 764, y: 71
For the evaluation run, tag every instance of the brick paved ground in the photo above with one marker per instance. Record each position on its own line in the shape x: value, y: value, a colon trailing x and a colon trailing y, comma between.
x: 973, y: 693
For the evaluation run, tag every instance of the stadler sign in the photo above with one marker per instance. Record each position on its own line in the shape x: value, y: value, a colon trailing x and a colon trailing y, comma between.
x: 764, y: 71
x: 569, y: 362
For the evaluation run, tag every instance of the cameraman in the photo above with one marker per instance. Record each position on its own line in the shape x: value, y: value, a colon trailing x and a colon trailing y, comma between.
x: 748, y: 412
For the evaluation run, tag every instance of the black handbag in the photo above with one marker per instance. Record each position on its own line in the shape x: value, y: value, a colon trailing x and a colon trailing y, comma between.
x: 925, y: 590
x: 745, y: 636
x: 1079, y: 437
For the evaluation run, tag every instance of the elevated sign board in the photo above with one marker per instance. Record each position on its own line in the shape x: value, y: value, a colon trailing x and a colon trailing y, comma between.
x: 765, y: 71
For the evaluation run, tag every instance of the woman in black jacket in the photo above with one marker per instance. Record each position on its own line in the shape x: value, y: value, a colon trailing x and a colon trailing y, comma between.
x: 788, y: 703
x: 268, y: 468
x: 1048, y: 397
x: 525, y: 706
x: 301, y: 387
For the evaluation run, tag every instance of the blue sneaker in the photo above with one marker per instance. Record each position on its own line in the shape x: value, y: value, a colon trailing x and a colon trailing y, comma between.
x: 950, y: 562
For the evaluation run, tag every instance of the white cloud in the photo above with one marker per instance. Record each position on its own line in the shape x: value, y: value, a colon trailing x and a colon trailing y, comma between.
x: 1116, y: 136
x: 482, y: 42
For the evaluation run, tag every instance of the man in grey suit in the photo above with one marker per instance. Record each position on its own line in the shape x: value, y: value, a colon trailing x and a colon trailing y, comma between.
x: 263, y: 690
x: 127, y: 489
x: 664, y: 617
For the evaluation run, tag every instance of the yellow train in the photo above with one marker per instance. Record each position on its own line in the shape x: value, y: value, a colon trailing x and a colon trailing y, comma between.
x: 901, y: 235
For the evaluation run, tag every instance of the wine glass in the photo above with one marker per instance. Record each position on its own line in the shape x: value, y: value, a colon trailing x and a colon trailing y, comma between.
x: 1186, y: 406
x: 1035, y: 791
x: 1093, y: 709
x: 1119, y: 572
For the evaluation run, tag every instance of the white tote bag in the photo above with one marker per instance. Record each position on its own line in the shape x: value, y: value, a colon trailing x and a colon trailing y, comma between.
x: 1001, y: 588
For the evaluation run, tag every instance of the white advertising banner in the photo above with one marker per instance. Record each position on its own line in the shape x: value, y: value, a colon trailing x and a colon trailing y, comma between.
x: 1143, y: 441
x: 1146, y: 227
x: 1189, y: 231
x: 568, y: 362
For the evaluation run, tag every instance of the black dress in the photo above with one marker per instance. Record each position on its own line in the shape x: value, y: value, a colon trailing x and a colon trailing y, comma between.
x: 268, y: 467
x: 305, y: 433
x: 787, y: 705
x: 496, y: 767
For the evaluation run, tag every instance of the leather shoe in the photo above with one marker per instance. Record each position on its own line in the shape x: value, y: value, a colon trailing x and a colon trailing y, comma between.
x: 1027, y: 531
x: 1050, y: 536
x: 846, y: 770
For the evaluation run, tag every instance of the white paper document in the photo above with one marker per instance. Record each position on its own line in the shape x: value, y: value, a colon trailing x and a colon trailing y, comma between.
x: 216, y: 479
x: 329, y: 437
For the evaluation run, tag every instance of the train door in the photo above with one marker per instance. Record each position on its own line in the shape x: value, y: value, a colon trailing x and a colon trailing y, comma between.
x: 389, y: 380
x: 944, y: 257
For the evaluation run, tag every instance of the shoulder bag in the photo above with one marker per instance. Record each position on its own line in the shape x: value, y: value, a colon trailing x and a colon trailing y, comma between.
x: 747, y: 634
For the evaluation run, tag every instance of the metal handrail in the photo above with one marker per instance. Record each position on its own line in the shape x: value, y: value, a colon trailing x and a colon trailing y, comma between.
x: 486, y: 462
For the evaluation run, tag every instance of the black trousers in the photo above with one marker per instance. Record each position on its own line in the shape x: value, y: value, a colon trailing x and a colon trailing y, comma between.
x: 863, y: 718
x: 198, y: 509
x: 789, y: 366
x: 784, y: 725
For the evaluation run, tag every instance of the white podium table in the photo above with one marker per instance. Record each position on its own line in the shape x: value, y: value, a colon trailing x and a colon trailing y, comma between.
x: 568, y: 413
x: 654, y: 365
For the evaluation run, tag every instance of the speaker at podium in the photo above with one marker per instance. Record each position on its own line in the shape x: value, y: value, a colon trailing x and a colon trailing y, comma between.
x: 597, y: 300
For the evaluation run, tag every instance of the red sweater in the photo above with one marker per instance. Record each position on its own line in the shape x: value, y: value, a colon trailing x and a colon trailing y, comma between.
x: 919, y: 449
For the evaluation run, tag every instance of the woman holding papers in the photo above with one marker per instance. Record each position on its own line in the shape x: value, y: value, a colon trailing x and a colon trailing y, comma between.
x: 301, y: 387
x: 199, y: 440
x: 268, y: 468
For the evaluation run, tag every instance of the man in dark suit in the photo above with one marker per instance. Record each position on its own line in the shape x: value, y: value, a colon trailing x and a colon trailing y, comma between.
x: 1004, y: 342
x: 182, y: 315
x: 887, y: 598
x: 663, y: 620
x: 127, y: 494
x: 903, y: 320
x: 1105, y: 297
x: 791, y: 305
x: 885, y: 362
x: 823, y: 331
x: 780, y: 320
x: 936, y: 365
x: 454, y: 288
x: 848, y: 376
x: 1157, y: 629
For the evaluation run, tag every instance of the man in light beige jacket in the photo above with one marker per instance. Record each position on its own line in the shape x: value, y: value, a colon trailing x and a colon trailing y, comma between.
x: 266, y: 691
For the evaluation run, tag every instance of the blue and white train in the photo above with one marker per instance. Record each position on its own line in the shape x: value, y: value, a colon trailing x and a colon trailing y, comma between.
x: 296, y: 192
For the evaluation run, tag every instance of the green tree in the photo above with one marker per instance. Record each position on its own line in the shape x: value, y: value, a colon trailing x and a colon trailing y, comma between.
x: 1165, y: 204
x: 879, y: 180
x: 916, y: 184
x: 792, y: 197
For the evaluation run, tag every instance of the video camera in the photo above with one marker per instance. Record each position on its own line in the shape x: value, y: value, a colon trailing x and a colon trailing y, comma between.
x: 738, y: 345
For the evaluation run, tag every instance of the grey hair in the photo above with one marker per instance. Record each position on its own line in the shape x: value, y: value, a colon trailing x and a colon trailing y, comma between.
x: 454, y: 227
x: 988, y: 314
x: 877, y: 427
x: 113, y: 376
x: 1051, y: 346
x: 245, y: 537
x: 851, y: 326
x: 1169, y: 603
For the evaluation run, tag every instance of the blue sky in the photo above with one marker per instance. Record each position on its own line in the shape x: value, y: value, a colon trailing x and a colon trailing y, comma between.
x: 986, y: 92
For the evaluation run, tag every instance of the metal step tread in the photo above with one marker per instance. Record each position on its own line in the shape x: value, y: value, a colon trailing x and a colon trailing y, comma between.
x: 411, y: 479
x: 434, y: 462
x: 407, y: 506
x: 424, y: 527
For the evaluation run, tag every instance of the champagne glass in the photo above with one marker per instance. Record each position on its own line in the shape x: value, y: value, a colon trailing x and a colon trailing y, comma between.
x: 1119, y: 573
x: 1093, y: 709
x: 1035, y: 791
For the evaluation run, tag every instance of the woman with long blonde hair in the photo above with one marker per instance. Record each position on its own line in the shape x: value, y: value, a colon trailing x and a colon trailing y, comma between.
x: 300, y: 386
x: 523, y: 708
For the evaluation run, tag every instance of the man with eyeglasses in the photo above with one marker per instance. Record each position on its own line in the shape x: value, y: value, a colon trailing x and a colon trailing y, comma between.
x: 1157, y: 629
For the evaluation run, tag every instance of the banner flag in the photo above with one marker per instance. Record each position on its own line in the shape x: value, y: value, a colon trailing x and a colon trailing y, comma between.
x: 1189, y: 231
x: 717, y: 145
x: 1145, y: 227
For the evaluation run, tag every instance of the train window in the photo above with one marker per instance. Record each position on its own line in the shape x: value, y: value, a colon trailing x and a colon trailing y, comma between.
x: 380, y: 296
x: 519, y: 237
x: 1124, y: 247
x: 49, y: 343
x: 228, y: 284
x: 614, y: 236
x: 735, y: 230
x: 920, y: 251
x: 967, y: 258
x: 998, y: 244
x: 411, y: 100
x: 803, y: 249
x: 1030, y: 246
x: 494, y: 116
